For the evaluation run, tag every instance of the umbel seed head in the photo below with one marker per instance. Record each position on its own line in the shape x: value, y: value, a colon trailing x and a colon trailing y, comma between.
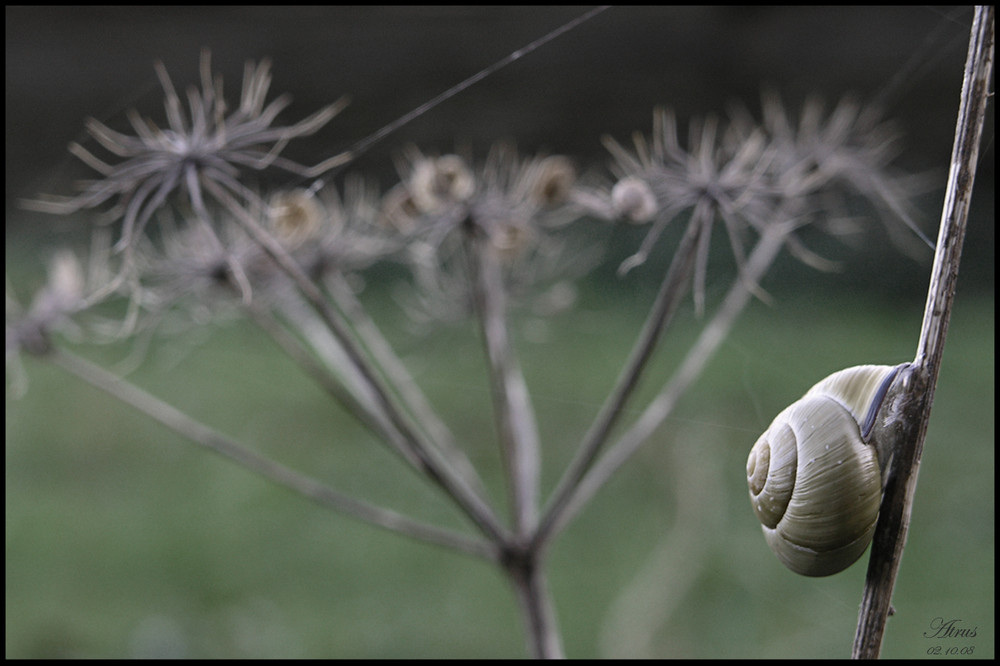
x: 441, y: 181
x: 633, y: 200
x: 295, y: 216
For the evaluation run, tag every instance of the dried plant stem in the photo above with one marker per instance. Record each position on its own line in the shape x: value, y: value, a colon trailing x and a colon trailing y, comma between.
x: 897, y: 501
x: 428, y: 463
x: 218, y: 443
x: 518, y: 433
x: 515, y: 417
x: 760, y: 260
x: 575, y: 491
x: 400, y: 379
x: 309, y: 343
x: 672, y: 290
x: 330, y: 382
x: 534, y: 599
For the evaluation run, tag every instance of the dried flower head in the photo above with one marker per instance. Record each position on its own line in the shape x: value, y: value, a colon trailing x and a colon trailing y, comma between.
x: 749, y: 175
x: 398, y: 211
x: 209, y: 269
x: 846, y: 152
x: 661, y: 180
x: 553, y: 181
x: 295, y: 216
x: 633, y: 200
x: 220, y: 267
x: 439, y: 182
x: 70, y: 289
x: 349, y: 237
x: 509, y: 202
x: 213, y: 143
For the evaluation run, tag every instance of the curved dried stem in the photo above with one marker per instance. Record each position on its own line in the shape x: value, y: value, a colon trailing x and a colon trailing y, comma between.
x: 224, y: 446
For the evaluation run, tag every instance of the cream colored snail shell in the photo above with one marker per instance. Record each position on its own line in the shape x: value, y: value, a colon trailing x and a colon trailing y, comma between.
x: 814, y: 475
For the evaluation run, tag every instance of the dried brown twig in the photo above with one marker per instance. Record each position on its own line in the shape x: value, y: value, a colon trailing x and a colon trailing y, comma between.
x: 919, y: 385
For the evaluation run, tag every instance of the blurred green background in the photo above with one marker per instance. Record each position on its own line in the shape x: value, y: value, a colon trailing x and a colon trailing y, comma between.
x: 124, y: 540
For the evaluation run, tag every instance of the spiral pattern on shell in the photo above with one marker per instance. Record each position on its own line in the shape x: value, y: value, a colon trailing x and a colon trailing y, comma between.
x: 814, y: 479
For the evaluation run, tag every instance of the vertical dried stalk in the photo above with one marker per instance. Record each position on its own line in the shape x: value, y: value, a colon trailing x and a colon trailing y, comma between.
x: 527, y: 575
x: 894, y: 518
x: 514, y: 414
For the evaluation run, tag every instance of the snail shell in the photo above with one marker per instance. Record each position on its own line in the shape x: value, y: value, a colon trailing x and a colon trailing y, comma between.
x: 814, y: 475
